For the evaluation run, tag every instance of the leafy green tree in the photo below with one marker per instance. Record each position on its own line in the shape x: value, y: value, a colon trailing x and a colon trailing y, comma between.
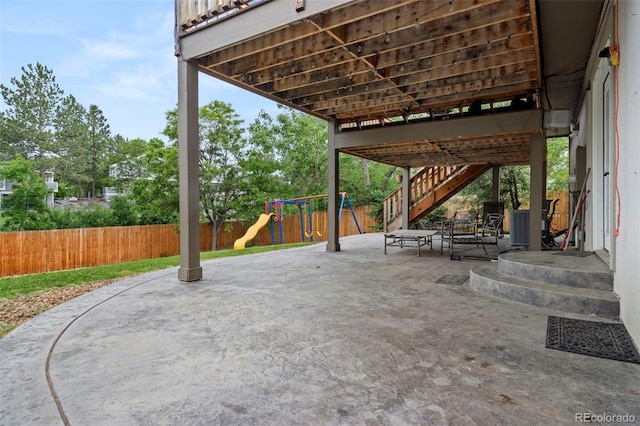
x: 557, y: 164
x: 71, y: 135
x: 222, y: 182
x: 260, y: 167
x: 25, y: 207
x: 155, y: 194
x: 97, y: 217
x: 123, y: 211
x: 514, y: 188
x: 237, y: 174
x: 366, y: 182
x: 302, y: 152
x: 67, y: 218
x: 5, y: 137
x: 28, y: 120
x: 127, y: 162
x: 99, y: 145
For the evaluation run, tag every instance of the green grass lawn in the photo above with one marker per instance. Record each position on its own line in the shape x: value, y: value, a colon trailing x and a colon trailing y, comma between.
x: 13, y: 287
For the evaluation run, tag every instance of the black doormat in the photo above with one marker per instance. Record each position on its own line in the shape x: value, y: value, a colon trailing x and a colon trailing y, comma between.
x: 602, y: 340
x: 573, y: 253
x: 451, y: 279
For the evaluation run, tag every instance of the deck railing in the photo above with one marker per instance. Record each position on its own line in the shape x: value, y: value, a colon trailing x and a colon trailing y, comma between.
x: 424, y: 184
x: 191, y: 14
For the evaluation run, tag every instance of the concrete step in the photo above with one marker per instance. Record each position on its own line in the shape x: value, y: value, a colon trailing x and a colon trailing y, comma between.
x: 547, y: 267
x: 582, y: 301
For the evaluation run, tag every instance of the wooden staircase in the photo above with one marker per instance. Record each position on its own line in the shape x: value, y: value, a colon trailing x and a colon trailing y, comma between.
x: 430, y: 188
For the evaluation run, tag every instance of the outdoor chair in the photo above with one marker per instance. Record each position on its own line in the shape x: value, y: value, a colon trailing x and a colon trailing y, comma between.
x: 465, y: 230
x: 491, y: 228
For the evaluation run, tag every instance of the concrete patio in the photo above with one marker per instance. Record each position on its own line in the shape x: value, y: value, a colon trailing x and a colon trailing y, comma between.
x: 304, y: 336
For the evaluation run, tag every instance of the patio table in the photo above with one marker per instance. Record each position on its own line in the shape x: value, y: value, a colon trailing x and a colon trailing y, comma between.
x: 410, y: 238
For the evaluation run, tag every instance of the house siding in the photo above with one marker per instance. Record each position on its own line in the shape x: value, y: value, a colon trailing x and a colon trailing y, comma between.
x: 623, y: 259
x: 626, y: 282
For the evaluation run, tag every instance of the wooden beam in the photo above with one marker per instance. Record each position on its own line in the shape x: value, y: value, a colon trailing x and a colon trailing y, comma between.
x: 509, y: 122
x: 536, y: 39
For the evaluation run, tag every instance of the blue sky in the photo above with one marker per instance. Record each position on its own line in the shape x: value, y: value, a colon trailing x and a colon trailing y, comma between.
x: 116, y: 54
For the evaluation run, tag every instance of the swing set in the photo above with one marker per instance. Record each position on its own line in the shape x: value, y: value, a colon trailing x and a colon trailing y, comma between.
x: 303, y: 204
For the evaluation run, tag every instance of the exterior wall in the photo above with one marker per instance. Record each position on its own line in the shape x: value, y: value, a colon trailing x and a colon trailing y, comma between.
x: 108, y: 193
x: 624, y: 247
x: 577, y: 168
x: 626, y: 283
x: 5, y: 189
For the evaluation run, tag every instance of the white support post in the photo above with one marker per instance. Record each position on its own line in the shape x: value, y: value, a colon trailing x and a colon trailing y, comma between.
x: 537, y: 192
x: 333, y: 231
x: 188, y: 152
x: 406, y: 196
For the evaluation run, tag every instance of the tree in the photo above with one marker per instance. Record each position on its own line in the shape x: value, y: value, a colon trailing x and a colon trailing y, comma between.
x: 514, y: 187
x: 515, y: 183
x: 261, y: 169
x: 557, y: 164
x: 71, y: 134
x: 235, y: 171
x: 222, y: 182
x: 302, y: 152
x: 155, y: 193
x: 126, y: 161
x: 366, y: 182
x: 99, y: 145
x: 5, y: 131
x: 25, y: 208
x: 123, y: 211
x: 30, y: 114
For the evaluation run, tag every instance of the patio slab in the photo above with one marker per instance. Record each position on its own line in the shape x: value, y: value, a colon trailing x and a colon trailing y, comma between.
x: 304, y: 336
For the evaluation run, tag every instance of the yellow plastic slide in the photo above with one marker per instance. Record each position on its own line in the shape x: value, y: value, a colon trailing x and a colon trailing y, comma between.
x: 252, y: 231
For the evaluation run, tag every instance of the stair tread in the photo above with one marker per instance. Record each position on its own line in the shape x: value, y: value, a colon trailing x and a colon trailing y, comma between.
x: 445, y: 188
x: 491, y: 272
x: 545, y: 260
x: 583, y: 272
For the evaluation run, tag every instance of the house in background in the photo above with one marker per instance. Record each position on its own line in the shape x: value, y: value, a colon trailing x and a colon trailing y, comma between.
x: 6, y: 189
x: 108, y: 192
x: 424, y: 84
x: 53, y: 186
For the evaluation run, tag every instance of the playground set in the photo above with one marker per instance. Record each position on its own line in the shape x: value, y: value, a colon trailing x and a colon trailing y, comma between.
x: 274, y: 213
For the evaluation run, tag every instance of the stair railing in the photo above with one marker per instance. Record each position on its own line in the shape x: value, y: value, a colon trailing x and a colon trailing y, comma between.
x: 424, y: 184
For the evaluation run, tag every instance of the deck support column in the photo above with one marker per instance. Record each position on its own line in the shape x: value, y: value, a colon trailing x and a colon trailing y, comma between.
x: 537, y: 182
x: 495, y: 188
x: 333, y: 175
x: 188, y: 152
x: 406, y: 196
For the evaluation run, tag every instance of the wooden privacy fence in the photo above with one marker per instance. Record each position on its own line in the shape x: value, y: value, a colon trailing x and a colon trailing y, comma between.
x: 32, y: 252
x: 560, y: 217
